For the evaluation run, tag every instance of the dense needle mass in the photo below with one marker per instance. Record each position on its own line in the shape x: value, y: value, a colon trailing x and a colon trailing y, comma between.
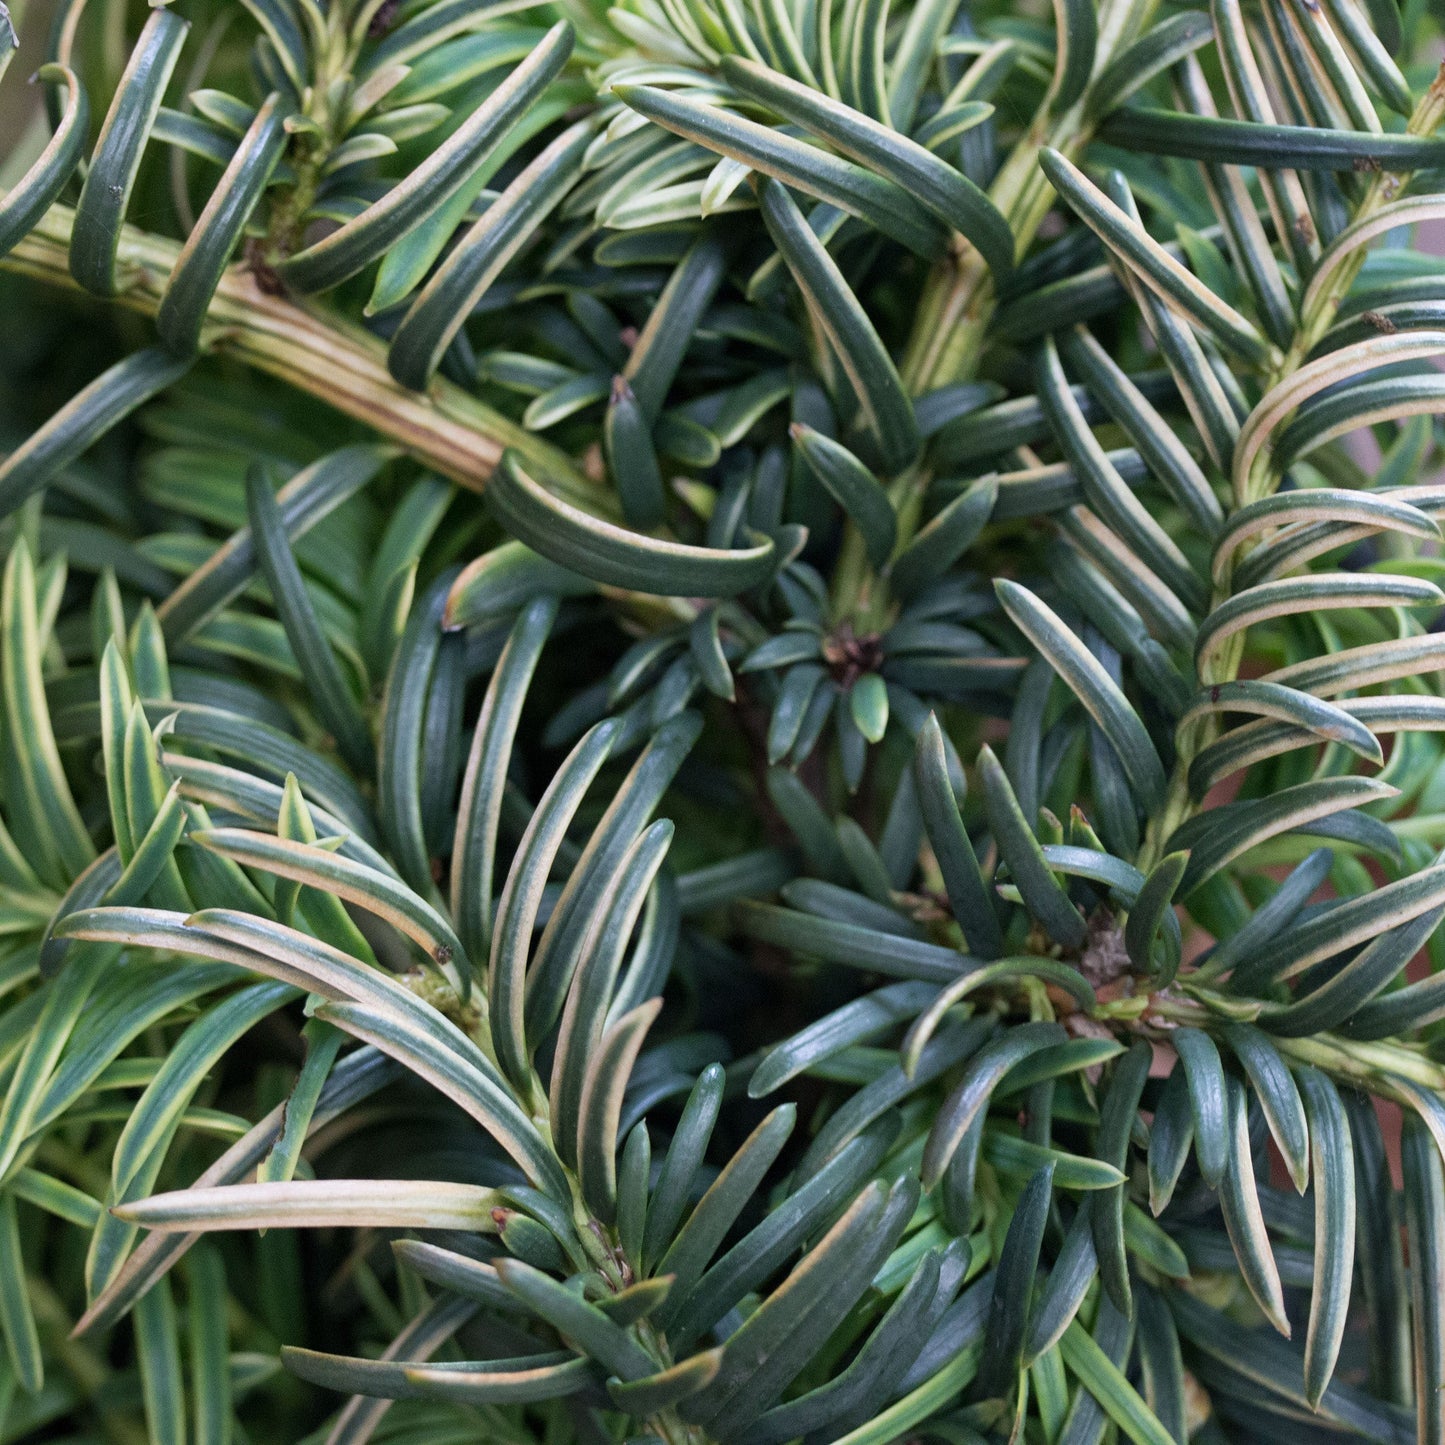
x: 721, y: 723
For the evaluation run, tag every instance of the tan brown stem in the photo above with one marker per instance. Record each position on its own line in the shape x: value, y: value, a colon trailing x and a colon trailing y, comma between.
x: 322, y: 354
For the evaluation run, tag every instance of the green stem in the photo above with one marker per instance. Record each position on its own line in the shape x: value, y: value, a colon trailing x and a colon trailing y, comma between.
x: 959, y: 299
x: 861, y: 597
x: 607, y: 1262
x: 310, y: 148
x: 1265, y: 479
x: 954, y: 312
x: 321, y: 354
x: 1365, y: 1064
x: 1355, y: 1062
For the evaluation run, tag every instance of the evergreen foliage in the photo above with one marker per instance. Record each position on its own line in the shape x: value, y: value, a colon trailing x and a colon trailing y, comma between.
x: 722, y: 723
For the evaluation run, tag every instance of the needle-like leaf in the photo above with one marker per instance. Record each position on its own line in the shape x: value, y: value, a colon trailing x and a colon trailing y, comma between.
x: 346, y: 251
x: 115, y: 162
x: 606, y: 553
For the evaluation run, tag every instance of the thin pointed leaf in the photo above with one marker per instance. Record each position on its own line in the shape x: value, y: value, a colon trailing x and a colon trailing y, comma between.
x: 886, y: 407
x: 522, y: 896
x: 336, y: 706
x: 854, y: 488
x: 1274, y: 1086
x: 806, y: 1211
x: 1105, y: 489
x: 779, y: 1338
x: 628, y: 814
x: 1092, y: 685
x: 367, y: 888
x: 208, y: 248
x: 319, y: 1204
x: 1239, y: 1203
x: 584, y: 1324
x: 309, y: 496
x: 1334, y: 1261
x: 84, y: 419
x: 867, y: 1380
x: 679, y: 1171
x: 1161, y: 1365
x: 1365, y: 975
x: 937, y: 186
x: 527, y: 1379
x: 357, y: 1077
x: 1154, y: 52
x: 1425, y: 1225
x: 1286, y: 596
x: 606, y: 553
x: 1063, y: 1292
x: 1103, y: 1379
x: 1380, y: 1255
x: 64, y: 1000
x: 463, y: 1083
x: 963, y: 880
x: 849, y: 944
x: 435, y: 316
x: 1013, y: 1288
x: 654, y: 359
x: 1277, y: 913
x: 1224, y: 834
x: 1357, y: 921
x: 158, y: 1355
x: 1170, y: 1139
x: 853, y: 1023
x: 158, y: 1110
x: 17, y: 1318
x: 1028, y: 868
x: 479, y: 810
x: 1076, y: 30
x: 373, y: 1384
x: 1271, y: 147
x: 941, y: 542
x: 1263, y: 446
x: 1117, y: 1113
x: 601, y: 1107
x: 667, y: 1388
x: 1323, y: 504
x: 371, y: 234
x: 323, y: 1043
x: 37, y: 190
x: 95, y: 234
x: 1155, y: 267
x: 1208, y: 1099
x: 970, y: 1096
x: 1287, y: 704
x: 1166, y: 455
x: 1146, y: 918
x: 208, y: 1353
x: 815, y: 171
x: 715, y: 1213
x: 632, y: 458
x: 1060, y: 975
x: 1266, y: 1360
